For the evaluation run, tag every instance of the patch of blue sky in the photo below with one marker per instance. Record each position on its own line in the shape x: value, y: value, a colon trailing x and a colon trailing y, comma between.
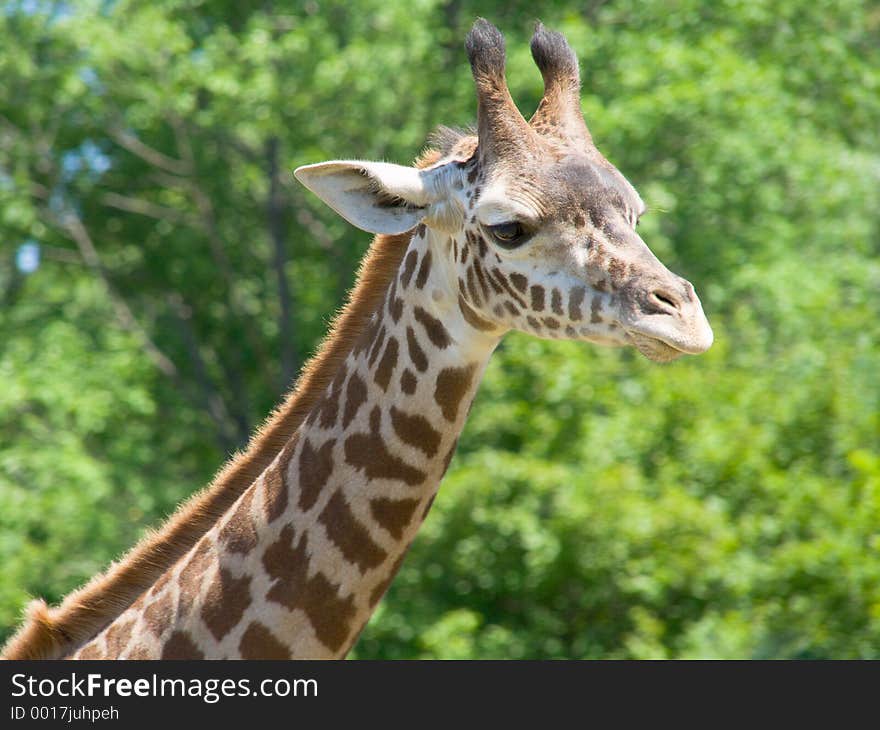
x: 50, y: 8
x: 89, y: 77
x: 88, y: 158
x: 27, y: 257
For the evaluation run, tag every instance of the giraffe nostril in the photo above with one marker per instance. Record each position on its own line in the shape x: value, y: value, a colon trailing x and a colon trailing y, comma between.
x: 664, y: 302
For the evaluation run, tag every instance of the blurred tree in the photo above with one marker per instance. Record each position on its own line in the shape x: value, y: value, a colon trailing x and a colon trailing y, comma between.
x: 599, y: 505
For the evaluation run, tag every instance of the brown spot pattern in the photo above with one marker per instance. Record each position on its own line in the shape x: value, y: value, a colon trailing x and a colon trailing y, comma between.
x: 520, y: 282
x: 452, y: 385
x: 395, y: 303
x: 355, y: 397
x: 496, y: 287
x: 537, y: 293
x: 481, y: 278
x: 575, y: 300
x: 472, y: 318
x: 317, y: 597
x: 481, y: 245
x: 471, y: 287
x: 416, y: 353
x: 118, y: 636
x: 367, y: 451
x: 434, y: 327
x: 328, y: 409
x: 502, y: 280
x: 139, y: 653
x: 225, y: 602
x: 409, y: 266
x: 617, y: 270
x: 239, y: 534
x: 257, y: 642
x: 315, y: 468
x: 190, y: 579
x: 415, y: 430
x: 157, y: 615
x: 387, y: 364
x: 349, y: 535
x: 556, y: 302
x: 394, y: 515
x: 91, y: 651
x: 181, y: 646
x: 377, y: 347
x: 275, y: 496
x: 424, y: 270
x: 408, y: 382
x: 367, y: 340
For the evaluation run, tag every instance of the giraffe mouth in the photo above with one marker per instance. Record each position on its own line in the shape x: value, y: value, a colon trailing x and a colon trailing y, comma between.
x: 654, y: 349
x: 664, y: 340
x: 669, y: 324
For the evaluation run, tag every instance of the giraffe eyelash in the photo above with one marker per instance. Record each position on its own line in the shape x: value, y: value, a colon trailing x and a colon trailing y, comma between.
x: 509, y: 235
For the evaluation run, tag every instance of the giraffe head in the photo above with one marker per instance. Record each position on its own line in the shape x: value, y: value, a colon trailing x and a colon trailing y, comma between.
x: 540, y: 229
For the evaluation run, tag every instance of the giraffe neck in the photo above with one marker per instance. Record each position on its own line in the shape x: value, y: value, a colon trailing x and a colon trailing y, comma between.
x: 296, y: 567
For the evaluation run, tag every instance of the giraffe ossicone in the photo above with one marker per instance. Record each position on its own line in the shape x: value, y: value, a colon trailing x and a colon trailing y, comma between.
x: 523, y: 225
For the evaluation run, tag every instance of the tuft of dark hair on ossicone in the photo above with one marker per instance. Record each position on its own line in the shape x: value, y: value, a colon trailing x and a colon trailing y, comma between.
x: 554, y: 57
x: 485, y: 49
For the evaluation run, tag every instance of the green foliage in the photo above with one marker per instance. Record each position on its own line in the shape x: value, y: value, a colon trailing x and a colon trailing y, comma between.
x: 600, y: 505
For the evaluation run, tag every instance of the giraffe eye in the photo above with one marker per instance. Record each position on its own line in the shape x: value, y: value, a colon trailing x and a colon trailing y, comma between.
x: 508, y: 235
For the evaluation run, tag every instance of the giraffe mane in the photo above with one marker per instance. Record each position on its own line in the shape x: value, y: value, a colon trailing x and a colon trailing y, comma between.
x: 55, y: 632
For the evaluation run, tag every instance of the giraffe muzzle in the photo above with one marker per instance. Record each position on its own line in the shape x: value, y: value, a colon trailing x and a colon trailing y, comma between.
x: 668, y: 321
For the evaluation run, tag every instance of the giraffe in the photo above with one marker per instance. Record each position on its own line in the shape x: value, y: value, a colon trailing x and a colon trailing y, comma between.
x: 523, y: 225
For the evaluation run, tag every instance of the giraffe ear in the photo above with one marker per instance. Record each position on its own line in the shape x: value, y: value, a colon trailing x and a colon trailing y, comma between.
x: 379, y: 197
